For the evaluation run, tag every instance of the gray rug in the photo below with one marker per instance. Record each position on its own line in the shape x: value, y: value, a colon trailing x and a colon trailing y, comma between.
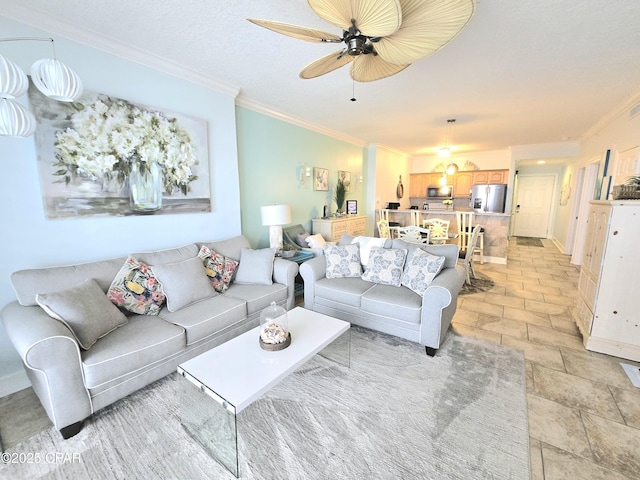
x: 529, y: 242
x: 396, y: 413
x: 480, y: 284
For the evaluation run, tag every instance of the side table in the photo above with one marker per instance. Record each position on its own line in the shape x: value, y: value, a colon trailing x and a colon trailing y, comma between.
x: 300, y: 258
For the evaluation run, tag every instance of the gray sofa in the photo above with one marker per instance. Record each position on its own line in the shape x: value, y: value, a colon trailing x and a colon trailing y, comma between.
x: 73, y: 382
x: 396, y: 310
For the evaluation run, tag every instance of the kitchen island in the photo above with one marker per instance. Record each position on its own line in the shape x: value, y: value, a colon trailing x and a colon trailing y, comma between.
x: 496, y: 228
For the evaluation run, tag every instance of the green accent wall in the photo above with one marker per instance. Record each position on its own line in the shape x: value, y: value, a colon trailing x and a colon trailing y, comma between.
x: 272, y: 154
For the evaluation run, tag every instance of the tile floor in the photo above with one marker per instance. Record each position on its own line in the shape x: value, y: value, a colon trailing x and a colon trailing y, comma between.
x: 584, y: 413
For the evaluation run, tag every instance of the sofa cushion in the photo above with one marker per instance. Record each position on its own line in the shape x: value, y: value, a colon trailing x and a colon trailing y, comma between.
x: 29, y: 283
x: 183, y: 283
x: 256, y: 266
x: 258, y: 297
x: 342, y: 290
x: 343, y: 261
x: 398, y: 303
x: 385, y: 266
x: 208, y: 317
x: 231, y: 247
x: 219, y: 269
x: 142, y: 342
x: 169, y: 255
x: 316, y: 241
x: 135, y: 288
x: 366, y: 244
x: 85, y: 310
x: 420, y: 271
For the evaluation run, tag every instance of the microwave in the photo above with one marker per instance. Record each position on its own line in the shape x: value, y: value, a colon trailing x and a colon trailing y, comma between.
x: 440, y: 191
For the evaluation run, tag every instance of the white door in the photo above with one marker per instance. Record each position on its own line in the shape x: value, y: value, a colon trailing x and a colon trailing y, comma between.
x: 533, y: 206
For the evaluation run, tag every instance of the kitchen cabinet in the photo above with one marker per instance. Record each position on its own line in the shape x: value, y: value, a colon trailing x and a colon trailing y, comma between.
x: 490, y: 176
x: 332, y: 229
x: 462, y: 183
x: 418, y: 183
x: 609, y: 281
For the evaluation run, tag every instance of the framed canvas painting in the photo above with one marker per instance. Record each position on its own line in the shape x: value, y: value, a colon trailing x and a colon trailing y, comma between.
x: 320, y: 179
x: 346, y: 179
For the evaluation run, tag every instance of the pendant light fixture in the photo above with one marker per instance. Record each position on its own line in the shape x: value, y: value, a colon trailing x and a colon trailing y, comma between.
x: 52, y: 77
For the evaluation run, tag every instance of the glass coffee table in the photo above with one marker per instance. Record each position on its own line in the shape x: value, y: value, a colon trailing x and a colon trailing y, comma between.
x: 231, y: 376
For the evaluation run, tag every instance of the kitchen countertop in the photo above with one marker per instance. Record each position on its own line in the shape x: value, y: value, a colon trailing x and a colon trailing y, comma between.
x: 449, y: 212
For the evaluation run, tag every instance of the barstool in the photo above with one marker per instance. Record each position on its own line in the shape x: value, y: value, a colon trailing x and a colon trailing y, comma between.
x: 465, y: 228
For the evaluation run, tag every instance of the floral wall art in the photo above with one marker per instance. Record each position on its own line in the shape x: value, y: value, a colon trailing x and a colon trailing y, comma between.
x: 108, y: 156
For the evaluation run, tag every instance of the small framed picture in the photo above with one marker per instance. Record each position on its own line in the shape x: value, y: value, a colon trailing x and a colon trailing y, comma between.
x: 320, y: 179
x: 352, y: 207
x: 346, y: 179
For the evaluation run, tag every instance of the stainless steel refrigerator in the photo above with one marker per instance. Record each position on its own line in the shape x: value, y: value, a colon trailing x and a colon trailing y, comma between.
x: 488, y: 198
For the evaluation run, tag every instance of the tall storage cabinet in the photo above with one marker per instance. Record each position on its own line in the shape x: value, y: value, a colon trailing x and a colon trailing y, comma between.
x: 608, y: 313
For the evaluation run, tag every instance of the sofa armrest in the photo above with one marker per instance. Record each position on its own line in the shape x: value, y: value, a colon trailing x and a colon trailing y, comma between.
x: 52, y: 359
x: 284, y: 272
x: 311, y: 271
x: 439, y: 303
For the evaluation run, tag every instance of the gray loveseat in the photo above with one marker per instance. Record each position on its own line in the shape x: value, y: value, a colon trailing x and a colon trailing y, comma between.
x: 396, y: 310
x: 72, y: 382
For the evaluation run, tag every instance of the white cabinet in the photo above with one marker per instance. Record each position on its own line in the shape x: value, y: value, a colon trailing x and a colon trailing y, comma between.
x: 332, y: 229
x: 607, y: 311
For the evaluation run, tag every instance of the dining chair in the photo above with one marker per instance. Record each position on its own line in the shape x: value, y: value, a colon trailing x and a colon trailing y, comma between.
x: 415, y: 218
x: 383, y: 214
x: 465, y: 228
x: 466, y: 256
x: 413, y: 234
x: 438, y: 228
x: 383, y: 228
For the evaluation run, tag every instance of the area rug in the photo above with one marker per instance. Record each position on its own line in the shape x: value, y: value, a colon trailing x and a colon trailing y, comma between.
x: 529, y: 242
x: 394, y: 413
x: 480, y: 284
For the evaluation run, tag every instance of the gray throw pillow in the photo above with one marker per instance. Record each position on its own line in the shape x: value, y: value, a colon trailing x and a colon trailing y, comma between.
x: 183, y: 283
x: 256, y: 266
x: 85, y: 310
x: 343, y: 261
x: 420, y: 270
x: 301, y: 239
x: 385, y: 266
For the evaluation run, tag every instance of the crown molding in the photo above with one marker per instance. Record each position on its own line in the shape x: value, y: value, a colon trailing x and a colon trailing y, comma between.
x: 261, y: 108
x: 622, y: 109
x: 38, y: 19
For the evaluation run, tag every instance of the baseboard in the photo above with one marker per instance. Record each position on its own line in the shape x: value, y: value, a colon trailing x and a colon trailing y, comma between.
x: 559, y: 245
x: 13, y: 383
x: 499, y: 260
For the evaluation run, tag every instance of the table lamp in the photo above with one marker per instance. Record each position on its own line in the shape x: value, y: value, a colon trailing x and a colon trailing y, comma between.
x: 274, y: 216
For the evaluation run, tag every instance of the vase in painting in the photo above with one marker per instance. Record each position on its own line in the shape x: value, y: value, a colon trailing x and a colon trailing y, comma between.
x: 145, y: 187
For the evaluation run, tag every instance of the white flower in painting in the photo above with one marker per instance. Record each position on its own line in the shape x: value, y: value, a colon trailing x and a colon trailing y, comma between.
x: 112, y: 134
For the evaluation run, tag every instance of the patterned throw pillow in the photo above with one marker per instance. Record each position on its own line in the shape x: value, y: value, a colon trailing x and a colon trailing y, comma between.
x: 136, y: 289
x: 385, y: 266
x: 420, y: 270
x: 343, y: 261
x: 218, y: 268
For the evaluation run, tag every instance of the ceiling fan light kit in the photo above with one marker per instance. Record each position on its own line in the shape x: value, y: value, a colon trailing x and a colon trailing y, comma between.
x: 381, y: 37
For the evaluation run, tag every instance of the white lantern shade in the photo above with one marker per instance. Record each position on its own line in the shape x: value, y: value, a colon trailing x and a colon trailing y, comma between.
x: 15, y: 119
x: 55, y: 80
x: 13, y: 81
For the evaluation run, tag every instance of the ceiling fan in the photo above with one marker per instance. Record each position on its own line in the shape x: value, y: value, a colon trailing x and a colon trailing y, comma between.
x: 381, y: 37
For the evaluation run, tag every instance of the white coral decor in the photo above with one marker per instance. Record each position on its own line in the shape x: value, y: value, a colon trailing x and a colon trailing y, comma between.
x: 273, y: 333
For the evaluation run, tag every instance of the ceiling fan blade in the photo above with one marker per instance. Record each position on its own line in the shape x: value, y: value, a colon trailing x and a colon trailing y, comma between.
x: 295, y: 31
x: 374, y: 18
x: 326, y: 64
x: 367, y: 68
x: 426, y: 27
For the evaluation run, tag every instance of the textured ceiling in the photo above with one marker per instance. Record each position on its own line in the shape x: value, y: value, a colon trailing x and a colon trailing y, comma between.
x: 520, y: 73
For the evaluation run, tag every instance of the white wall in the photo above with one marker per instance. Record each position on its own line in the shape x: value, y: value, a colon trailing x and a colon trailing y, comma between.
x: 389, y: 166
x: 490, y: 160
x: 30, y: 241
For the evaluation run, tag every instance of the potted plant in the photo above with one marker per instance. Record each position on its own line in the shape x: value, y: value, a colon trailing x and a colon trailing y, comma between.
x: 341, y: 193
x: 288, y: 251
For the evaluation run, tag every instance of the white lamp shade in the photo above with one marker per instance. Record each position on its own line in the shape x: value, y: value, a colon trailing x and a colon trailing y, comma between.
x: 55, y: 80
x: 13, y: 81
x: 15, y: 119
x: 275, y: 215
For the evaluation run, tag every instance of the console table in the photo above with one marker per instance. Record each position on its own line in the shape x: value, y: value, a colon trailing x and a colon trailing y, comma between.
x: 333, y: 228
